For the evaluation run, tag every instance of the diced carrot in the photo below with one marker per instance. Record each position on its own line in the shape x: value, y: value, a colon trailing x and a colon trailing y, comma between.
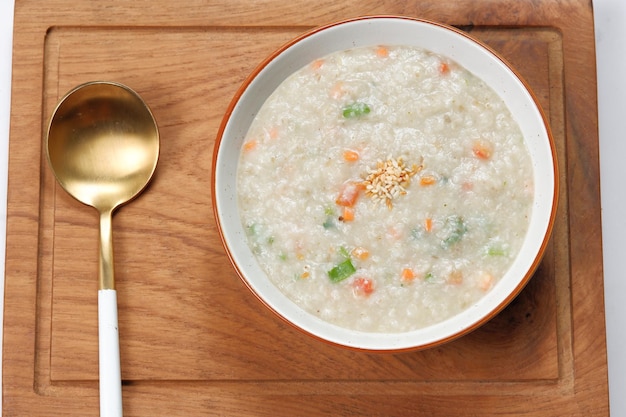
x: 395, y: 233
x: 350, y: 155
x: 317, y: 64
x: 467, y: 186
x: 482, y: 149
x: 444, y: 68
x: 348, y: 214
x: 455, y: 278
x: 428, y: 180
x: 337, y: 90
x: 360, y: 253
x: 382, y: 51
x: 363, y: 286
x: 428, y: 224
x: 485, y: 282
x: 306, y: 273
x: 407, y: 275
x: 348, y: 194
x: 273, y: 133
x: 250, y: 145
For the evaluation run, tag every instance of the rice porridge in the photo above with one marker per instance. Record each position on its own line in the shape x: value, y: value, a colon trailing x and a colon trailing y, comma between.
x: 384, y: 189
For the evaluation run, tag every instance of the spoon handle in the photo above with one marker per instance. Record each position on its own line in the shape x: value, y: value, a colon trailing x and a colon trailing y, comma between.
x: 109, y: 355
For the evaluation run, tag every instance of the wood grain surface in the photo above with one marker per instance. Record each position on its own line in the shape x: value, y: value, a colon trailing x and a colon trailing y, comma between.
x: 194, y: 340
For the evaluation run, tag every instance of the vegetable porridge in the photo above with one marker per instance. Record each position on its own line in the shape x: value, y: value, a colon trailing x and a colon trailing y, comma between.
x: 384, y: 189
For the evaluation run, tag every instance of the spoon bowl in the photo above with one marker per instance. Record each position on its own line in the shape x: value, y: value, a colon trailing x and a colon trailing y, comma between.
x: 103, y: 146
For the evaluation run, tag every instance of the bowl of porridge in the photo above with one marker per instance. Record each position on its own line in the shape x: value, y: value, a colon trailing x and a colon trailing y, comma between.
x: 384, y: 183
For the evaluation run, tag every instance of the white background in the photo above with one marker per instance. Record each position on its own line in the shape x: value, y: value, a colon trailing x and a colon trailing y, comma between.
x: 610, y: 20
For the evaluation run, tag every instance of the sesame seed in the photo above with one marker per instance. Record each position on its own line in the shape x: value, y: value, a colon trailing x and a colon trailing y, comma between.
x: 388, y: 180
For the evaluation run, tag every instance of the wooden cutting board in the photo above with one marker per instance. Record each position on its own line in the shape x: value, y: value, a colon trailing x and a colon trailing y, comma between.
x: 194, y: 341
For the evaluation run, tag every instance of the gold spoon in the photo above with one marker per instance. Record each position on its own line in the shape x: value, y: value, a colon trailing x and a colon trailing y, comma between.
x: 103, y: 146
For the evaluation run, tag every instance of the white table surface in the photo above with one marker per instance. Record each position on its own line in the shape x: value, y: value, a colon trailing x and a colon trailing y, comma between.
x: 610, y: 19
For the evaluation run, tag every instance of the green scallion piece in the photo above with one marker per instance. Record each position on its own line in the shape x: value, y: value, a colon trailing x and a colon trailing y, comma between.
x: 457, y: 229
x: 356, y: 109
x: 341, y: 271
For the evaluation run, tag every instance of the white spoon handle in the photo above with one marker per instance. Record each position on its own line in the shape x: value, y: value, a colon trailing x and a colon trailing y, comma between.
x: 109, y: 355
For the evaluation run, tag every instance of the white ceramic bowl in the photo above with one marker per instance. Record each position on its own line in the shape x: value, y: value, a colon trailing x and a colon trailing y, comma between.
x: 388, y: 30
